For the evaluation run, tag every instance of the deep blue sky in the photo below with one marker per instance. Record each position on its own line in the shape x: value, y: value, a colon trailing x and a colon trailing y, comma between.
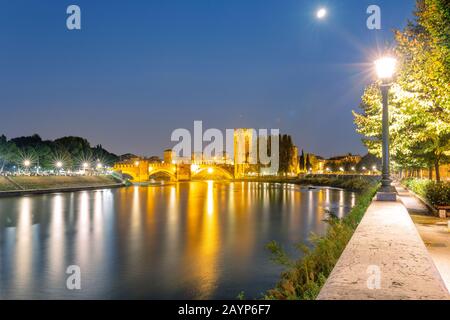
x: 139, y: 69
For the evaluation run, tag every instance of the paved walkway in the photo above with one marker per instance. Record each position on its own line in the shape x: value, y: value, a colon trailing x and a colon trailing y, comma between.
x: 434, y: 232
x: 385, y: 259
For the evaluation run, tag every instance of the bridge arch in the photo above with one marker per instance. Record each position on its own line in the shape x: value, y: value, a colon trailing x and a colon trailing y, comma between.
x: 170, y: 173
x: 128, y: 174
x: 215, y: 171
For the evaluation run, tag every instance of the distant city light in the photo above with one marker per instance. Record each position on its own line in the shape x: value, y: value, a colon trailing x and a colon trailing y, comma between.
x: 85, y: 165
x: 321, y: 13
x: 99, y: 165
x: 136, y: 163
x: 353, y: 168
x: 194, y: 167
x: 59, y: 164
x: 27, y: 163
x: 210, y: 170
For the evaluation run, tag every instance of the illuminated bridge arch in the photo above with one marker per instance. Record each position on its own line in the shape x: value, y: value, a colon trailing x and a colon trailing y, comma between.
x: 127, y: 174
x: 169, y: 172
x: 212, y: 171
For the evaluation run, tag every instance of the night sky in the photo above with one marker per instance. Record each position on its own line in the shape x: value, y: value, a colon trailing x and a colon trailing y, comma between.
x: 140, y: 69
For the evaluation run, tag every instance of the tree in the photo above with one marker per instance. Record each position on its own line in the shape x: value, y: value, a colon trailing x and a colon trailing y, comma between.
x: 302, y: 161
x: 8, y: 152
x: 285, y: 153
x: 308, y: 165
x: 420, y: 96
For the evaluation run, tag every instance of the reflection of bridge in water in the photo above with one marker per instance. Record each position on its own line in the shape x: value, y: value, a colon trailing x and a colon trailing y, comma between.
x: 143, y: 170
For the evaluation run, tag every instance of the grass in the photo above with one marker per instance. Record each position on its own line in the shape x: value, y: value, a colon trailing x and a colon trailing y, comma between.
x: 50, y: 182
x: 5, y: 185
x: 351, y: 183
x: 305, y: 277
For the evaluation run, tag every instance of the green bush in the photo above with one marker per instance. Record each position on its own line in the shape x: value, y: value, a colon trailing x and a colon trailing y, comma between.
x: 305, y: 277
x: 437, y: 194
x: 352, y: 184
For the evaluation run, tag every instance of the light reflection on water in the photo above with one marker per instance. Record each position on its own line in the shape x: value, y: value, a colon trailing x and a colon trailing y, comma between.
x: 197, y: 240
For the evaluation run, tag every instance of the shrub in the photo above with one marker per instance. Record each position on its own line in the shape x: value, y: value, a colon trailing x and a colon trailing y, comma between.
x: 352, y: 184
x: 437, y: 194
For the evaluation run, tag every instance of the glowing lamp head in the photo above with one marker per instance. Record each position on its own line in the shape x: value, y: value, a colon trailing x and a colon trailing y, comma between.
x: 321, y: 13
x: 99, y: 165
x: 385, y: 67
x: 59, y: 164
x: 27, y: 163
x: 85, y: 165
x: 136, y: 163
x: 210, y: 170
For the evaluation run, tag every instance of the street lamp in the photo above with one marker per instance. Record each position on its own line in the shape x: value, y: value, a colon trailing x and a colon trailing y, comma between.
x: 26, y: 164
x: 385, y: 68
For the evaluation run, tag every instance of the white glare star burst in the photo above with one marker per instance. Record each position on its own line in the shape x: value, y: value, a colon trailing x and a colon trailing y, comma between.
x: 321, y: 13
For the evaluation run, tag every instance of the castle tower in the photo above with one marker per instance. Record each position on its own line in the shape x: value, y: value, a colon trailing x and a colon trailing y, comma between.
x: 245, y: 152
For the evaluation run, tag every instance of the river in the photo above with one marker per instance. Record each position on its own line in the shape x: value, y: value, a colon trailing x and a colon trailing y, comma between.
x: 193, y: 240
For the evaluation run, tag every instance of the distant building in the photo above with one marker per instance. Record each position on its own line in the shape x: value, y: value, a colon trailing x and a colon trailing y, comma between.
x: 343, y: 163
x: 169, y: 156
x: 245, y: 153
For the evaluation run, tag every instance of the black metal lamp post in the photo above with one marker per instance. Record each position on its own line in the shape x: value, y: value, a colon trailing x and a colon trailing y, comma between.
x: 385, y: 68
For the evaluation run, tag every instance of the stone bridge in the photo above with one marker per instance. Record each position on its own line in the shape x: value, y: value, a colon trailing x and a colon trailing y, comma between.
x: 143, y: 170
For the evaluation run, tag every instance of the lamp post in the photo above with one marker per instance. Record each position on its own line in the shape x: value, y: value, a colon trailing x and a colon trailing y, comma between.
x: 385, y: 68
x: 59, y: 165
x: 27, y: 164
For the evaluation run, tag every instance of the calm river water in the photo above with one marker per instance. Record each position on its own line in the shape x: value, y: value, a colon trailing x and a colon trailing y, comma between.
x: 196, y: 240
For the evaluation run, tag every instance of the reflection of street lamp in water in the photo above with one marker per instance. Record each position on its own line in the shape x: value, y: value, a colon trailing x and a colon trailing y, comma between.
x: 385, y: 68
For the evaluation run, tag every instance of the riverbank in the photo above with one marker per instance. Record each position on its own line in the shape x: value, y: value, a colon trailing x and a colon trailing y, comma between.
x: 305, y: 277
x: 356, y: 183
x: 22, y: 185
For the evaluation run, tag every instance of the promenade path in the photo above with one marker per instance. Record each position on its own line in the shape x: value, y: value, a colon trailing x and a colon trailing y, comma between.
x: 433, y: 231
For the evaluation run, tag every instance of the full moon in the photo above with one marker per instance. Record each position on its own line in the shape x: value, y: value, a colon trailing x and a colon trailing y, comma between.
x: 321, y: 13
